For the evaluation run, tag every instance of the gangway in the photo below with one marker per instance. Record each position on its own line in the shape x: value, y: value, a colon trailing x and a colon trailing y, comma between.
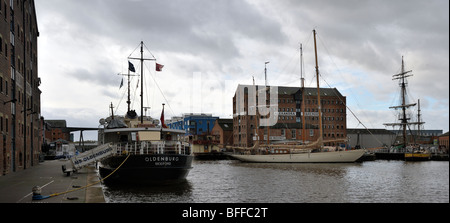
x: 83, y: 159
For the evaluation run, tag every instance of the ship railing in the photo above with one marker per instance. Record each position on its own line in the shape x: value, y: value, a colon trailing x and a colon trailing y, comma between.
x: 147, y: 147
x: 391, y: 150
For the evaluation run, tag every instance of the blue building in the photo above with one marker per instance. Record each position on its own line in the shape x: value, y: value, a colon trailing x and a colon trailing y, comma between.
x: 193, y: 124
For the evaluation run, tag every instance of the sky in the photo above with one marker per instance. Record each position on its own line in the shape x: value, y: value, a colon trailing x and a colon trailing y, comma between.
x: 210, y: 47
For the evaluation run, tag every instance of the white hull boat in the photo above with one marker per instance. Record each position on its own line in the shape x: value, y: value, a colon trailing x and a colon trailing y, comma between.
x: 348, y: 156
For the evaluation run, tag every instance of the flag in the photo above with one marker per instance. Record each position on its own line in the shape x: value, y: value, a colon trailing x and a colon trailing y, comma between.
x: 131, y: 67
x: 162, y: 119
x: 159, y: 67
x: 121, y: 84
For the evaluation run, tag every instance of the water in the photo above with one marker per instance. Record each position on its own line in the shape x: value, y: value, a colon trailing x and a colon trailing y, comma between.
x: 230, y: 181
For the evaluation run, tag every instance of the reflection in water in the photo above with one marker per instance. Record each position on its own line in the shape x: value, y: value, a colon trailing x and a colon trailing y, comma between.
x: 327, y: 169
x: 398, y: 181
x: 231, y: 181
x: 169, y: 193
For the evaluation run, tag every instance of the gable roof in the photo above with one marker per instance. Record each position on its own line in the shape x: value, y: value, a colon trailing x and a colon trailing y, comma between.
x: 225, y: 124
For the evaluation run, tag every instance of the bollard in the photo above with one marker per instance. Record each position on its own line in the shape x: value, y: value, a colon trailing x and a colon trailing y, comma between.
x: 37, y: 193
x: 64, y: 170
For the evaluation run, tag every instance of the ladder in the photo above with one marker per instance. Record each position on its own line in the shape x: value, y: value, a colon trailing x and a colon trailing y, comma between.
x: 83, y: 159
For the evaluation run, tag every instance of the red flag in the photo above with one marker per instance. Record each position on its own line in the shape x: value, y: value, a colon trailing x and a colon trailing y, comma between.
x: 162, y: 119
x: 159, y: 67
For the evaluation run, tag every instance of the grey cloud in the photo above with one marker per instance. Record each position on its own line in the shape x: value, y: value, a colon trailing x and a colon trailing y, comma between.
x: 234, y: 37
x: 208, y: 28
x: 391, y: 27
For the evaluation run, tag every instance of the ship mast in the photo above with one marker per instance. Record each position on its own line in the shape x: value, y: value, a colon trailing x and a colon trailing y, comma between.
x: 418, y: 120
x: 302, y: 83
x: 403, y: 117
x: 266, y: 89
x: 320, y: 140
x: 129, y: 82
x: 142, y: 78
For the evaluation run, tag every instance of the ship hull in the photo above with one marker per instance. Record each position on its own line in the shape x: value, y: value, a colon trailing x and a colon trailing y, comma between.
x: 348, y: 156
x: 146, y: 169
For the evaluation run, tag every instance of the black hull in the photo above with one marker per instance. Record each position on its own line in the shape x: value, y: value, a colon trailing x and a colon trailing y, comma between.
x: 146, y: 169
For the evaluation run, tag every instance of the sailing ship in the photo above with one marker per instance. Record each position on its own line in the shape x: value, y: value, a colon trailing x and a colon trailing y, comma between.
x: 146, y: 151
x: 306, y: 153
x: 414, y: 152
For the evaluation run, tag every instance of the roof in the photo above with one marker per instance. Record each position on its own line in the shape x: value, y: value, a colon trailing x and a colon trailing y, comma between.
x: 75, y: 129
x: 116, y: 123
x: 62, y: 141
x: 225, y: 124
x: 62, y: 124
x: 56, y: 123
x: 373, y: 131
x: 284, y: 90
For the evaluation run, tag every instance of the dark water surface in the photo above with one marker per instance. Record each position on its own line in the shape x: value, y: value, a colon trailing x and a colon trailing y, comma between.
x: 230, y: 181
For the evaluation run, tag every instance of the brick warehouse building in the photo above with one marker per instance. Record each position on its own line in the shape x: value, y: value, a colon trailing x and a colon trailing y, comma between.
x: 20, y: 102
x: 289, y: 125
x: 222, y: 132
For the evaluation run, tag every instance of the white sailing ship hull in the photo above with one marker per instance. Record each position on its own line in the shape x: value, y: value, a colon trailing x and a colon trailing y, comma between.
x: 348, y: 156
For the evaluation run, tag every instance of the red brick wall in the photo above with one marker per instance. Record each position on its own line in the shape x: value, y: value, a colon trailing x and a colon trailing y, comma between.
x: 21, y: 118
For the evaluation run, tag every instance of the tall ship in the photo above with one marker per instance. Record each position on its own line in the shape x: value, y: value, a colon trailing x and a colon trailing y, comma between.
x: 144, y: 149
x: 412, y: 150
x: 300, y: 152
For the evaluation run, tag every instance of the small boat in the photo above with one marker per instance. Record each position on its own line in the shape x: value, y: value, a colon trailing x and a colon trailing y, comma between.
x: 417, y: 156
x: 367, y: 156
